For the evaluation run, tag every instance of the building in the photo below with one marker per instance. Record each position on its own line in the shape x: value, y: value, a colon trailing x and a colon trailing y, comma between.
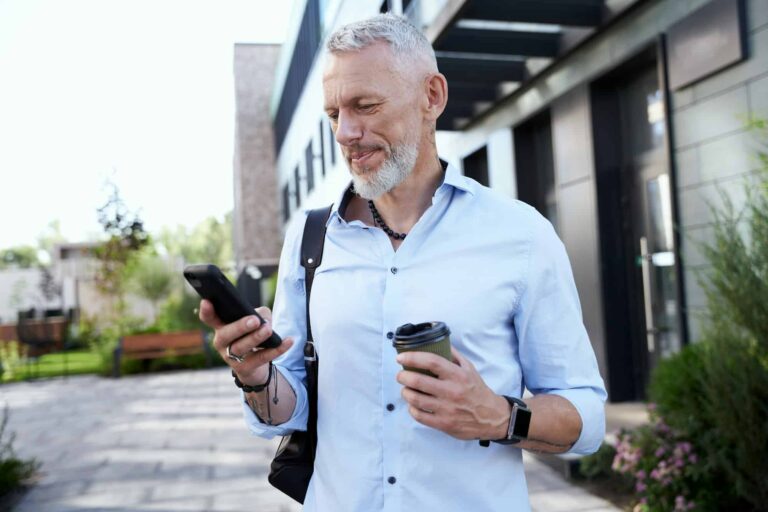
x: 617, y: 119
x: 256, y: 221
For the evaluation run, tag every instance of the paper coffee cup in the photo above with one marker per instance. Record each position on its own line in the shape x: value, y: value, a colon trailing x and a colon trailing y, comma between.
x: 431, y: 337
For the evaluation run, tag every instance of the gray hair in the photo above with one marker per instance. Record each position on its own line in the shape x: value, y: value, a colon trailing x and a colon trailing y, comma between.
x: 405, y: 40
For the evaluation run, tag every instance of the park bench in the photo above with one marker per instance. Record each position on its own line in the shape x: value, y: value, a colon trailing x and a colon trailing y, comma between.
x: 157, y: 345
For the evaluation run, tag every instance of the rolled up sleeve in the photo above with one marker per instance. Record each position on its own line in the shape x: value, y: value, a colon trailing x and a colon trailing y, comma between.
x: 288, y: 320
x: 555, y: 352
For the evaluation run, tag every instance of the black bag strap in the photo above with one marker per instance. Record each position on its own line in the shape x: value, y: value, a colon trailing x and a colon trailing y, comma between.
x: 312, y: 244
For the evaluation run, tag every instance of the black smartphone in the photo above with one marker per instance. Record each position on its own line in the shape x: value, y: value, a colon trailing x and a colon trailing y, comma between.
x: 211, y: 284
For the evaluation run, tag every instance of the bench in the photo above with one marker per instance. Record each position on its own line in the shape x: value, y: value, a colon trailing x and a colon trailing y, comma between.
x: 158, y: 345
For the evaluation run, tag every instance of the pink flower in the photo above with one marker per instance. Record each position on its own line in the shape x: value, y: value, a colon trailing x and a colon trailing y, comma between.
x: 640, y: 487
x: 692, y: 458
x: 640, y: 475
x: 660, y: 451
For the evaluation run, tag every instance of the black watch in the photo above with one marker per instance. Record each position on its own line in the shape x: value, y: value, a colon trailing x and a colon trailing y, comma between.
x: 519, y: 421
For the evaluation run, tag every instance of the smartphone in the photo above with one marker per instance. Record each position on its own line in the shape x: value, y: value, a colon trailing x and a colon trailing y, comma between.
x: 211, y: 284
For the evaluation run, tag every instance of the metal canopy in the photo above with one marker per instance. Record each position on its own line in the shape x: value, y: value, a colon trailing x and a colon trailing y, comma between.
x: 483, y: 47
x: 583, y: 13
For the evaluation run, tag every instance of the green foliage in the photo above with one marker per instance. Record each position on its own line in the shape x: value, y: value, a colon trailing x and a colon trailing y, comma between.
x: 599, y: 464
x: 179, y: 313
x: 12, y: 355
x: 675, y: 389
x: 23, y: 256
x: 716, y: 391
x: 151, y: 277
x: 13, y: 471
x: 208, y: 242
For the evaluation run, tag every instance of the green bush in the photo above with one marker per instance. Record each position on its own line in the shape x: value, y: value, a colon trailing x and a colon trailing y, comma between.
x: 12, y: 356
x: 13, y: 471
x: 716, y: 391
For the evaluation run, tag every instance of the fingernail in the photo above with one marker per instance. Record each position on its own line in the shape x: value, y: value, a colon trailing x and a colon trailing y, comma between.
x: 399, y: 358
x: 252, y: 322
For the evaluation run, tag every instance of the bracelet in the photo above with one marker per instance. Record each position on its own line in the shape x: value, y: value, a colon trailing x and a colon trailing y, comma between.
x: 253, y: 389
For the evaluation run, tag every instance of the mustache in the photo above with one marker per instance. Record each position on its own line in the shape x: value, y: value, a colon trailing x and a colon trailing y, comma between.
x: 358, y: 148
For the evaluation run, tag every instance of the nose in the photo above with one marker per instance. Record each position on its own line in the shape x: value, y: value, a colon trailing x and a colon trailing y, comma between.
x: 349, y: 130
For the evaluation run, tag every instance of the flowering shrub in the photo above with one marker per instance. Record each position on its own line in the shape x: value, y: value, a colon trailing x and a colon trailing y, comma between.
x: 667, y: 472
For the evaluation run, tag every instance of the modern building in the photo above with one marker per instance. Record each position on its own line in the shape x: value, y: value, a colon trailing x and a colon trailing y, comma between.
x: 618, y: 120
x: 256, y: 220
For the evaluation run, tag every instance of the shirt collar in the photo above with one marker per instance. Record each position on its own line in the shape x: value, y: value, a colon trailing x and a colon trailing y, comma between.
x: 453, y: 178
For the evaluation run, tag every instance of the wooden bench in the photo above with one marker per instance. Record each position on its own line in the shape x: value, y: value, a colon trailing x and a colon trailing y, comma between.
x: 155, y: 346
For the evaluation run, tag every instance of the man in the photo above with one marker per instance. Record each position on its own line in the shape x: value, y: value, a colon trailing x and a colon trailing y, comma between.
x: 415, y: 241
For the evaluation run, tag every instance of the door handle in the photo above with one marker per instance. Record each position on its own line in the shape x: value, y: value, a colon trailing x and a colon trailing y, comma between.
x: 650, y: 329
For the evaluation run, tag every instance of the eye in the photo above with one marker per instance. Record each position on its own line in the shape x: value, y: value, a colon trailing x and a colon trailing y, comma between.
x: 367, y: 108
x: 333, y: 116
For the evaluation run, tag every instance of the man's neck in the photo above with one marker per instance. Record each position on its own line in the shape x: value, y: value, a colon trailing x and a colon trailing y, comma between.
x: 402, y: 207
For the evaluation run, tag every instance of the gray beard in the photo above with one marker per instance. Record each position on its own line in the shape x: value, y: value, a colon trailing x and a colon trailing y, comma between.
x: 395, y: 169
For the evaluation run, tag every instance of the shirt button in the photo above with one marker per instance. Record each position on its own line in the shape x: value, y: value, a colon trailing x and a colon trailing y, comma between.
x: 390, y: 335
x: 393, y: 270
x: 390, y: 407
x: 392, y: 480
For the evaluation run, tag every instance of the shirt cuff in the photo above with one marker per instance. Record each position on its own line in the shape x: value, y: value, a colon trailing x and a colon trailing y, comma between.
x: 590, y: 404
x: 298, y: 421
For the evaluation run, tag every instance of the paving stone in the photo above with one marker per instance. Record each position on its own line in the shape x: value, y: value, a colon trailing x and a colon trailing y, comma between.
x: 171, y: 442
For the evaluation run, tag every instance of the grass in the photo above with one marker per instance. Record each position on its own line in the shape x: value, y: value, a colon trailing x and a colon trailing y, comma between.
x: 52, y: 365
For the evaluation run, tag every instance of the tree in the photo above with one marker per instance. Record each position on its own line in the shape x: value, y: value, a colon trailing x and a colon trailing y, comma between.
x: 151, y: 278
x: 208, y: 242
x: 23, y: 256
x: 125, y: 237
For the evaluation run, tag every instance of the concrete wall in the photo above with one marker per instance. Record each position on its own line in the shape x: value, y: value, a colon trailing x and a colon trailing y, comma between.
x: 256, y: 222
x: 577, y: 207
x: 714, y: 149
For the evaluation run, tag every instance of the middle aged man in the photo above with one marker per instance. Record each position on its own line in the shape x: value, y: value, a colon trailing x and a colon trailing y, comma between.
x: 490, y: 267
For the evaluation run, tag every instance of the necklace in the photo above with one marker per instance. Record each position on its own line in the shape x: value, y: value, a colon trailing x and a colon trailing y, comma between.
x: 378, y: 220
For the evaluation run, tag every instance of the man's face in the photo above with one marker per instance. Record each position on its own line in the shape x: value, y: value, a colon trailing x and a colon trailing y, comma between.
x: 376, y: 117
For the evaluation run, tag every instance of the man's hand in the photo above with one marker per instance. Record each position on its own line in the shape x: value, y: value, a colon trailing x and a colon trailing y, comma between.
x: 243, y: 338
x: 457, y: 402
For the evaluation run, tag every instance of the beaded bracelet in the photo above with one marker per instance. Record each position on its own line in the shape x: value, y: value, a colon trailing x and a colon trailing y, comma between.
x: 253, y: 389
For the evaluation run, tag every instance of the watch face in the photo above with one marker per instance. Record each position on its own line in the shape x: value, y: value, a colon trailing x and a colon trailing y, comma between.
x: 522, y: 422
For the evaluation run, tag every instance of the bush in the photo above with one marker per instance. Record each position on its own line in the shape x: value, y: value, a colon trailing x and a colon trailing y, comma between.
x: 668, y: 473
x: 716, y: 392
x: 12, y: 355
x: 13, y: 471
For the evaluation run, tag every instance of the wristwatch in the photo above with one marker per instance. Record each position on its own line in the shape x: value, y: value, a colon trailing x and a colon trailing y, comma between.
x: 519, y: 421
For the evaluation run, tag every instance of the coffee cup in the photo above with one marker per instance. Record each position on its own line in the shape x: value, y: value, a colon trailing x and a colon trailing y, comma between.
x: 433, y: 337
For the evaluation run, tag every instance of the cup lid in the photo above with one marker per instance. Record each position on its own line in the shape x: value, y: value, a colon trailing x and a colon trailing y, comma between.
x: 410, y: 335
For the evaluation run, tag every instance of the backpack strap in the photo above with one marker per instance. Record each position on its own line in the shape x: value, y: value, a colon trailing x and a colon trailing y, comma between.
x: 312, y: 244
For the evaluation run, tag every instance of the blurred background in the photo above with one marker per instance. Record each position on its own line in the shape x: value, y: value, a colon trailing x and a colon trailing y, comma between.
x: 138, y: 137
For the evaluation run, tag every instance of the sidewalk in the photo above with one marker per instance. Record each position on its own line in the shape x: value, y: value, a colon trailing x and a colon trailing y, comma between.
x: 171, y: 442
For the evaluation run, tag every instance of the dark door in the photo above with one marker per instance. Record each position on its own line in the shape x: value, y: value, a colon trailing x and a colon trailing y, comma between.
x: 636, y: 217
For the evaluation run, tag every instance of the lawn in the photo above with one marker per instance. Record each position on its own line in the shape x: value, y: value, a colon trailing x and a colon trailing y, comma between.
x: 53, y: 365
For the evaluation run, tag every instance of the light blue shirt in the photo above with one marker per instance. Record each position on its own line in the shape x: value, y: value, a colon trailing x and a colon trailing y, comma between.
x: 496, y: 273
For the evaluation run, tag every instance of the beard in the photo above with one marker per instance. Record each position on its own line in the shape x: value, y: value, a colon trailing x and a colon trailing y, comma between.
x: 398, y: 165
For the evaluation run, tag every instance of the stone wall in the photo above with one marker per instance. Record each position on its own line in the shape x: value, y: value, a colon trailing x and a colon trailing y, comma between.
x: 257, y: 222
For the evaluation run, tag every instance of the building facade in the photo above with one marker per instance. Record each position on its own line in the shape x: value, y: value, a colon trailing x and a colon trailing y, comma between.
x: 619, y: 120
x: 255, y: 220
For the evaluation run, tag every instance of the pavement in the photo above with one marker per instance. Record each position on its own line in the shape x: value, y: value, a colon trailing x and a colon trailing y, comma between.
x: 172, y: 442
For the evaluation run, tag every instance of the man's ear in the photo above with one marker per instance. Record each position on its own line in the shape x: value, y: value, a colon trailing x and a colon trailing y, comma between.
x: 436, y: 89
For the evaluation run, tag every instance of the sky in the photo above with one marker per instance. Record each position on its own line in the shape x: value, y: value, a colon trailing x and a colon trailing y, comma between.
x: 136, y: 92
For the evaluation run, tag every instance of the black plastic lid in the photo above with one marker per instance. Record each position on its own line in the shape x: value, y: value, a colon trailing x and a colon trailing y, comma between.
x: 410, y: 335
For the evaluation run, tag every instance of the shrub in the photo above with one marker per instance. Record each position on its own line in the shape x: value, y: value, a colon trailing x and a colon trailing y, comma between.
x: 716, y: 391
x: 13, y: 471
x: 667, y: 471
x: 12, y: 355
